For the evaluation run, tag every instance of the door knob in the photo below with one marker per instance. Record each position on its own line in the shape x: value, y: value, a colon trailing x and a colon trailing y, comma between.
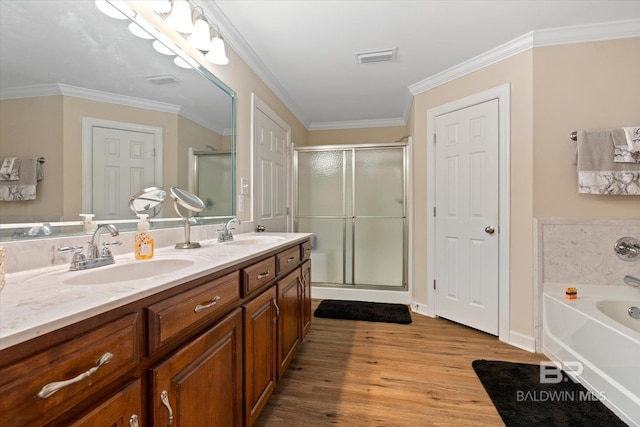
x: 489, y: 229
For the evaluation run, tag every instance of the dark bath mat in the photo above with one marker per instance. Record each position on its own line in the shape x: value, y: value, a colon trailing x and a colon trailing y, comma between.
x: 522, y: 400
x: 360, y: 310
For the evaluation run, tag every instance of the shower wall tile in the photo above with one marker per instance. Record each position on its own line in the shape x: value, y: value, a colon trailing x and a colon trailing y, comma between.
x: 581, y: 251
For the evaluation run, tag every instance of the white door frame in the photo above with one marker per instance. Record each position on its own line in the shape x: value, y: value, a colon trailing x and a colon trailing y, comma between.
x: 258, y: 104
x: 502, y: 94
x: 88, y: 123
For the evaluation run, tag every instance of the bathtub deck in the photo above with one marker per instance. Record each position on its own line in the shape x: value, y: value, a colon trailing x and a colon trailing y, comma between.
x: 351, y: 373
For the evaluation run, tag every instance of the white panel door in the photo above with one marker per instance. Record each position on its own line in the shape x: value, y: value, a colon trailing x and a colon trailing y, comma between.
x: 466, y: 217
x: 123, y: 165
x: 271, y: 173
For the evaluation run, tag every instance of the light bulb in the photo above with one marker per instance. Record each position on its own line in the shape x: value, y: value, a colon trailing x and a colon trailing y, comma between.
x: 138, y: 31
x: 201, y: 37
x: 217, y: 54
x: 181, y: 62
x: 180, y: 17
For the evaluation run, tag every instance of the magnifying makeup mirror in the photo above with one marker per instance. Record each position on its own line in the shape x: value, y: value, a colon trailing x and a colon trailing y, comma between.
x: 148, y: 201
x: 192, y: 204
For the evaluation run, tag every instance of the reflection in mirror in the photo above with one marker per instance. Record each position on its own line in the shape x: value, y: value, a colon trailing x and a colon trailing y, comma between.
x: 192, y: 204
x: 79, y: 89
x: 148, y: 201
x: 210, y: 178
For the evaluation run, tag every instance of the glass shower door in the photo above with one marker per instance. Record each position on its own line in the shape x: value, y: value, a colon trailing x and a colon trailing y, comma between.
x: 353, y: 200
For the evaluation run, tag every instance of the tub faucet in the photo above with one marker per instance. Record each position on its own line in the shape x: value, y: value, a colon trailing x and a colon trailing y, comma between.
x: 627, y: 248
x: 225, y: 235
x: 632, y: 281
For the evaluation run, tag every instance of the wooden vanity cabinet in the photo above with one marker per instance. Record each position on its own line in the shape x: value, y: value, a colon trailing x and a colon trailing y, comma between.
x: 289, y: 319
x: 201, y: 383
x: 208, y: 352
x: 260, y: 356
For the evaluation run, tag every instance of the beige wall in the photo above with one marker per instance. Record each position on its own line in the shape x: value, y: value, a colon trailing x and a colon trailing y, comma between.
x: 191, y: 134
x: 357, y: 136
x: 516, y: 71
x: 580, y: 87
x: 32, y: 127
x: 554, y: 91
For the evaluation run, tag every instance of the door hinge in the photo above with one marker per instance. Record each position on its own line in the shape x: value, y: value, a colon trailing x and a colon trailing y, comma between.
x: 434, y: 138
x: 434, y: 284
x: 434, y: 211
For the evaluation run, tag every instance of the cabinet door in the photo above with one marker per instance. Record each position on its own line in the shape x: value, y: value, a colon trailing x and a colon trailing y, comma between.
x: 122, y: 409
x: 260, y: 318
x: 201, y: 384
x: 306, y: 298
x: 289, y: 319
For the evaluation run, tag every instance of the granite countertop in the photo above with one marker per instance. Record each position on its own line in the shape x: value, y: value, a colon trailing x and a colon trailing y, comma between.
x: 39, y: 301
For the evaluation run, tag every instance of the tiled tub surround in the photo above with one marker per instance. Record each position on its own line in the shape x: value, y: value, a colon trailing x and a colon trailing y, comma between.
x: 581, y: 251
x: 34, y: 302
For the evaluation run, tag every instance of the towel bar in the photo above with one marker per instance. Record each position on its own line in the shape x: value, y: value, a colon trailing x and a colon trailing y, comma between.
x: 573, y: 135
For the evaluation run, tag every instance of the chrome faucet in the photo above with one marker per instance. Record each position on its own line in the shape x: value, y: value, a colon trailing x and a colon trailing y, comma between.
x: 627, y: 248
x: 94, y: 257
x: 225, y: 235
x: 632, y: 281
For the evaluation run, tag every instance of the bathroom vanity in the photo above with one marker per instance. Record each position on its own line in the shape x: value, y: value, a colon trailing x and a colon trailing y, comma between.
x: 205, y: 345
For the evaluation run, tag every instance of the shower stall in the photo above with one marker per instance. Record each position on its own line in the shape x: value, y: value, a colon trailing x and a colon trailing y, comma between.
x: 211, y: 179
x: 353, y: 199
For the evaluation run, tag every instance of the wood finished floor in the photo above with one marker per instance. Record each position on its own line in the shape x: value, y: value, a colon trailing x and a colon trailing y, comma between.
x: 350, y: 373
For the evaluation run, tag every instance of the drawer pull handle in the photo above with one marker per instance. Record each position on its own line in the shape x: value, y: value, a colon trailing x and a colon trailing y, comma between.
x: 290, y: 259
x: 307, y: 250
x: 133, y: 421
x: 263, y: 275
x: 51, y: 388
x: 201, y: 307
x: 275, y: 304
x: 164, y: 398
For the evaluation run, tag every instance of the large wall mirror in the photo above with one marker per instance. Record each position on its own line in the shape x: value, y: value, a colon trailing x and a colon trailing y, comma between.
x: 75, y: 84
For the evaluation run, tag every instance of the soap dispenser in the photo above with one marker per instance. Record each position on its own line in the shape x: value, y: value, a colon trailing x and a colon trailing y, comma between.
x: 142, y: 240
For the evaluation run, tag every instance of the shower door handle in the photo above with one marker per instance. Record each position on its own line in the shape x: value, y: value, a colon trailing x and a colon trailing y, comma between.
x: 489, y: 229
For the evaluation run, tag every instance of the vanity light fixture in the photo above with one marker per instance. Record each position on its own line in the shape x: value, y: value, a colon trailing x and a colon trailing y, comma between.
x: 162, y: 48
x: 138, y: 31
x: 180, y: 17
x: 217, y: 54
x: 160, y: 6
x: 201, y: 36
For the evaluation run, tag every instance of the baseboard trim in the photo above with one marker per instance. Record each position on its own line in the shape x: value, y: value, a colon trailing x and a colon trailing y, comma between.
x: 525, y: 342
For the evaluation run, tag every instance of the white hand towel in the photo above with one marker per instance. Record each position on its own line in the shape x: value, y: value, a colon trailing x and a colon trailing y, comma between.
x: 633, y: 137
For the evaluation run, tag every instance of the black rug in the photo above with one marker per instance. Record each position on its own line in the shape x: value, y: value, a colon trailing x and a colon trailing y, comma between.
x: 522, y: 400
x: 360, y: 310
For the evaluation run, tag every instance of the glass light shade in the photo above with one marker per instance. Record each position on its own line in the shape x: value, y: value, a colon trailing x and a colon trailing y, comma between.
x: 217, y: 54
x: 110, y: 10
x: 160, y: 47
x: 160, y: 6
x: 138, y: 31
x: 180, y: 17
x: 201, y: 36
x: 181, y: 62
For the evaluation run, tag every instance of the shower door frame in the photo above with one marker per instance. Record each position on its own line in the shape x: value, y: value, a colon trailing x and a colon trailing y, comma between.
x: 405, y: 221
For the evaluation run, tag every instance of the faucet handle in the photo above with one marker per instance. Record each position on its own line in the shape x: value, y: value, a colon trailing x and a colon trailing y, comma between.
x: 77, y: 250
x: 106, y: 252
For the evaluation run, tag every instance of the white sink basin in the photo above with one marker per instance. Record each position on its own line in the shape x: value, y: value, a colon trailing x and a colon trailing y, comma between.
x: 125, y: 272
x: 254, y: 240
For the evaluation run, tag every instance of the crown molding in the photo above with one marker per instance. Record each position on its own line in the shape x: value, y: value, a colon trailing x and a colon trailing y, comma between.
x: 537, y: 38
x: 234, y: 39
x: 357, y: 124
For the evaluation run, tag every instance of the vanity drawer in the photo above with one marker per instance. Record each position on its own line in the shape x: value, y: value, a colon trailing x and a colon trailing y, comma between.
x: 43, y: 386
x: 305, y: 251
x: 288, y: 259
x: 258, y: 274
x: 187, y: 310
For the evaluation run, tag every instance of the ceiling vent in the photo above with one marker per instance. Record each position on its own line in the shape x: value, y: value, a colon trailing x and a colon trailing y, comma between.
x: 163, y: 79
x: 380, y: 55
